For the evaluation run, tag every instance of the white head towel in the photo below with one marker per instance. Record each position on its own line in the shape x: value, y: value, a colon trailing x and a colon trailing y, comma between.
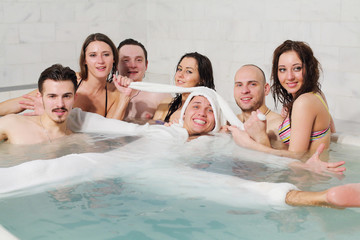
x: 210, y: 95
x: 223, y: 111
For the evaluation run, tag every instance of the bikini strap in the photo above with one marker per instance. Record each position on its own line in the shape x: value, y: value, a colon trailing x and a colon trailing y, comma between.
x: 79, y: 83
x: 106, y: 99
x: 322, y: 100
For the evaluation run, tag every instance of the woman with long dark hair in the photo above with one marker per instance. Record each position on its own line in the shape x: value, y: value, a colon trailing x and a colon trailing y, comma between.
x: 308, y: 123
x: 193, y: 69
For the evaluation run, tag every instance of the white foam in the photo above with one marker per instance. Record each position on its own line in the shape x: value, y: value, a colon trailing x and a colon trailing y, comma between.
x: 156, y: 166
x: 5, y: 235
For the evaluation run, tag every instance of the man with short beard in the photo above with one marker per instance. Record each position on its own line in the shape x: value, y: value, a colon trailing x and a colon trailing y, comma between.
x: 57, y: 87
x: 250, y: 90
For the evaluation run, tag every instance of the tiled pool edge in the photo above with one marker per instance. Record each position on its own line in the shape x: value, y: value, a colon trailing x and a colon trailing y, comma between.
x: 20, y: 87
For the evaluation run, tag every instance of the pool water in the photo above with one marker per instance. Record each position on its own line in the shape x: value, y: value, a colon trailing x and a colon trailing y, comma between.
x: 118, y: 208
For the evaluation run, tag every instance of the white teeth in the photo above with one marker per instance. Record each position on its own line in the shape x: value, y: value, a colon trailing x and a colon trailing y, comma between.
x: 199, y: 121
x: 245, y: 99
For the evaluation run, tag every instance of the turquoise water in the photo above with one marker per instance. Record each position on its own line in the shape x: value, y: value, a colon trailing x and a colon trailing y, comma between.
x: 115, y: 209
x: 111, y: 210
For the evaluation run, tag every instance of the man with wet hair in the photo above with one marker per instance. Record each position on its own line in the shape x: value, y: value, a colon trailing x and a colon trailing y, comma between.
x: 57, y: 87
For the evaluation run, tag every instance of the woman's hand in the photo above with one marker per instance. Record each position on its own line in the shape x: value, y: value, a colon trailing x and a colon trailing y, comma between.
x: 32, y: 103
x: 122, y: 84
x: 315, y: 164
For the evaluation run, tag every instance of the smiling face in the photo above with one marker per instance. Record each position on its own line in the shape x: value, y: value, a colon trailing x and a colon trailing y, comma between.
x: 290, y: 72
x: 187, y: 73
x: 250, y: 88
x: 58, y: 99
x: 99, y: 59
x: 132, y: 62
x: 199, y: 116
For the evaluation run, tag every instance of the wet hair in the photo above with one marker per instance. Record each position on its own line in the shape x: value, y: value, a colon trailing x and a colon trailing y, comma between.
x: 57, y: 73
x: 131, y: 41
x: 311, y: 73
x: 206, y: 79
x: 92, y: 38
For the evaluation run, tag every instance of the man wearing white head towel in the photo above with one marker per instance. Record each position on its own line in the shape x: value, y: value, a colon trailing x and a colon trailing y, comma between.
x: 200, y: 115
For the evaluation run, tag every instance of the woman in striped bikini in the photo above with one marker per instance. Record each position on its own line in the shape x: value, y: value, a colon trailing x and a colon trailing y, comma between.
x: 295, y: 75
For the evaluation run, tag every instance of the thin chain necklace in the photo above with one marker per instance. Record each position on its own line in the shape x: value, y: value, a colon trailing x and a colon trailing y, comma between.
x: 135, y: 95
x: 46, y: 132
x: 267, y: 111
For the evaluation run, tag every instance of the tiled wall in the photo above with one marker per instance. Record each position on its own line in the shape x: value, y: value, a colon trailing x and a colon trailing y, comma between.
x: 35, y: 34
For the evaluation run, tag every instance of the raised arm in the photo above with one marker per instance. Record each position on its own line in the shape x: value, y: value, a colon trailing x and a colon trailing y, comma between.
x: 118, y: 110
x: 18, y: 104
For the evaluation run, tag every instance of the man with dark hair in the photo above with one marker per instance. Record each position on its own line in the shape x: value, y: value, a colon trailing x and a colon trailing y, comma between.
x: 133, y: 62
x: 57, y: 87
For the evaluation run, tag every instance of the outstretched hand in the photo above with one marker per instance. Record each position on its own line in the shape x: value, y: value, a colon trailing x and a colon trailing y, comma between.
x: 32, y: 103
x: 316, y: 165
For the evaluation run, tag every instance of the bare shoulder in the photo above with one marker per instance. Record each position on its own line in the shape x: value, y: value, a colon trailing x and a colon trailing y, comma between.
x: 17, y: 119
x: 11, y: 117
x: 305, y: 101
x: 274, y: 117
x: 111, y: 87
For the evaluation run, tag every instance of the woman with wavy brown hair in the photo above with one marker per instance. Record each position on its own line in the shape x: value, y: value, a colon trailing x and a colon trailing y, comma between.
x: 295, y: 84
x: 95, y: 90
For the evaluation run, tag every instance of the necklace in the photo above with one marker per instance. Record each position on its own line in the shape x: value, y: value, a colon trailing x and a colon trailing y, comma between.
x: 242, y: 116
x: 135, y: 95
x: 267, y: 111
x: 46, y: 132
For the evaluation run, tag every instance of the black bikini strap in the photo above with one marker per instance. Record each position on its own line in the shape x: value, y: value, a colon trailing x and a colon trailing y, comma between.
x: 106, y: 99
x: 79, y: 83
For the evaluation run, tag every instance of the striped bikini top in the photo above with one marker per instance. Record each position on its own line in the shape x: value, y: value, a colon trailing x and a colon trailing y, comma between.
x: 285, y: 130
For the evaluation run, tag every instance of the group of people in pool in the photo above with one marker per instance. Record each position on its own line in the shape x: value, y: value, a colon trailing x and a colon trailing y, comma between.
x: 102, y: 87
